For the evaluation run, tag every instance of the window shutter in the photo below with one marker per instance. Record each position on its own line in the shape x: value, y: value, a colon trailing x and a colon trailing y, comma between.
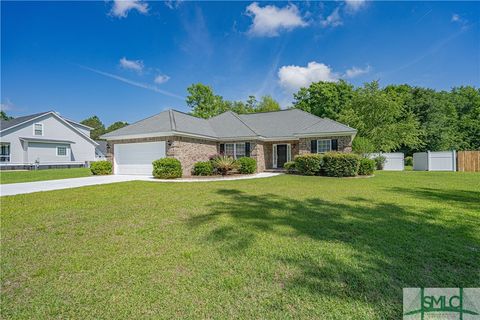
x: 222, y: 148
x: 313, y: 146
x: 247, y: 149
x: 335, y: 145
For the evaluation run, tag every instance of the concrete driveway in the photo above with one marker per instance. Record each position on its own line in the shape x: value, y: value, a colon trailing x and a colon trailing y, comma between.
x: 49, y: 185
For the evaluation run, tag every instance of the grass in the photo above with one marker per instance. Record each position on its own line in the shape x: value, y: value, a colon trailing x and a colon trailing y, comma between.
x: 41, y: 175
x: 282, y: 247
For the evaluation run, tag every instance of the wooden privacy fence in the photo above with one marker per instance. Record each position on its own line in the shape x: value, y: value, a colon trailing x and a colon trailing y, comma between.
x: 468, y: 161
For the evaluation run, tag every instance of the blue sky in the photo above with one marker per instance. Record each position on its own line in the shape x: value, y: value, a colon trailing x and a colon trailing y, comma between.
x: 129, y: 60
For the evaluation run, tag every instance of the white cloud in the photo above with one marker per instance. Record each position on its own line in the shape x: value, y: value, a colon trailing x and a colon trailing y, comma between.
x: 161, y: 78
x: 135, y: 65
x: 269, y: 20
x: 333, y: 20
x: 121, y: 8
x: 7, y: 105
x: 355, y: 72
x: 295, y: 77
x: 173, y: 4
x: 456, y: 18
x: 353, y: 6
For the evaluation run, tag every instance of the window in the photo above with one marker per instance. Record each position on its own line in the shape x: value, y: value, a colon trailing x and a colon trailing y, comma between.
x: 5, y: 152
x: 61, y: 151
x: 38, y: 129
x: 235, y: 150
x: 324, y: 145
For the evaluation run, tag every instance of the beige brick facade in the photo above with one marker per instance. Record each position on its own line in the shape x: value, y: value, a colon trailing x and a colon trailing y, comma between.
x: 191, y: 150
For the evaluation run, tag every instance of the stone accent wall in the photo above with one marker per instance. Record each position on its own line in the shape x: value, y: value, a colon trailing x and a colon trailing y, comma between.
x: 344, y: 143
x: 189, y: 151
x: 258, y: 153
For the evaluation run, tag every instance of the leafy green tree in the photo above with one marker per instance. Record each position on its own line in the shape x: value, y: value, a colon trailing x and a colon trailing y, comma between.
x: 267, y: 103
x: 381, y: 119
x: 116, y: 125
x: 204, y: 102
x: 97, y: 125
x: 467, y: 103
x: 4, y: 116
x: 362, y: 146
x: 325, y: 99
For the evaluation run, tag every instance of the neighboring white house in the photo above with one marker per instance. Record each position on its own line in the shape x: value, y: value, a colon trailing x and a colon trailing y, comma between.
x: 45, y: 139
x: 101, y: 151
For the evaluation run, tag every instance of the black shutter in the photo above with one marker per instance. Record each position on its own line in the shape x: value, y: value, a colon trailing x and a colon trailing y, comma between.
x: 335, y: 145
x: 313, y: 146
x: 222, y: 148
x: 247, y: 149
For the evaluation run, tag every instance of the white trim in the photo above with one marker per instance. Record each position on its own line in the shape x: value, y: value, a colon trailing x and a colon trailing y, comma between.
x: 66, y: 151
x: 274, y: 155
x: 330, y: 149
x: 326, y: 134
x: 34, y: 129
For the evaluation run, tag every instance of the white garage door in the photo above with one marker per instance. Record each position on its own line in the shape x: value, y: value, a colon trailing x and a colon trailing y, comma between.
x: 136, y: 158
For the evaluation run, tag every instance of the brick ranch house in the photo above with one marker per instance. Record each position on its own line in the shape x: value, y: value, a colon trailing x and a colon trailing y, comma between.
x: 272, y: 138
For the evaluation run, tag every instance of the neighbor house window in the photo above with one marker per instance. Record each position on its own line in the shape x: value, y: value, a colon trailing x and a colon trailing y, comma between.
x: 5, y: 152
x: 61, y: 151
x: 235, y: 150
x: 324, y: 145
x: 38, y: 129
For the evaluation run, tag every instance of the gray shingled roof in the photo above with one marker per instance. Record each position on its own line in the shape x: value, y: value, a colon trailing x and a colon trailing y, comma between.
x: 277, y: 124
x: 5, y: 124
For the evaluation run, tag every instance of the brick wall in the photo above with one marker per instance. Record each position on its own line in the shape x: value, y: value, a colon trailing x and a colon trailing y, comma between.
x: 344, y: 143
x: 189, y: 151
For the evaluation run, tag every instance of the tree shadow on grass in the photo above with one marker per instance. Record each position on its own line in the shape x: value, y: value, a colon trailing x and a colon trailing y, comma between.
x: 461, y: 198
x: 385, y: 247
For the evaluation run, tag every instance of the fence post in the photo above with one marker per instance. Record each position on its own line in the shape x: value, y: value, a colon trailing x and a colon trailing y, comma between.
x: 428, y: 160
x: 454, y: 160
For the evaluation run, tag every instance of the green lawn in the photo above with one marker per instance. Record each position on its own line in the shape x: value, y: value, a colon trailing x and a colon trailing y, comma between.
x: 282, y: 247
x: 40, y: 175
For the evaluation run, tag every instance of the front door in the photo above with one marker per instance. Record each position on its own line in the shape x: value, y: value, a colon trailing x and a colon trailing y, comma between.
x: 281, y: 155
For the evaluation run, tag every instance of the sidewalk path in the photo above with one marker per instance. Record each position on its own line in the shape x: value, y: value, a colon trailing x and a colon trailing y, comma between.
x: 37, y: 186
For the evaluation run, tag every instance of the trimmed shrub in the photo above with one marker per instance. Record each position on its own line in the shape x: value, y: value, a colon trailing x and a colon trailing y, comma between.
x: 409, y: 161
x: 247, y: 165
x: 290, y: 166
x: 308, y: 164
x: 380, y: 162
x: 167, y: 168
x: 224, y: 164
x: 101, y: 167
x: 341, y: 164
x: 203, y: 168
x: 366, y: 167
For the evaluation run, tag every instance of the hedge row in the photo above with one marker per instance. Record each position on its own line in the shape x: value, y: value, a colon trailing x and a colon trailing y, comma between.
x: 331, y: 164
x: 223, y: 165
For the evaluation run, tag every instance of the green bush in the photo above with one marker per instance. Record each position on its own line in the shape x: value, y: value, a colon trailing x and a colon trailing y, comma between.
x: 409, y: 161
x: 101, y: 167
x: 203, y: 168
x: 167, y: 168
x: 380, y: 162
x: 362, y: 146
x: 224, y: 164
x: 290, y: 166
x: 366, y: 167
x: 341, y: 164
x: 247, y: 165
x: 308, y: 164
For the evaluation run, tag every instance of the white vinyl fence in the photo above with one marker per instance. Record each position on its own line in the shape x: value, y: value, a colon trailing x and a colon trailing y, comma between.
x: 435, y: 161
x: 394, y: 161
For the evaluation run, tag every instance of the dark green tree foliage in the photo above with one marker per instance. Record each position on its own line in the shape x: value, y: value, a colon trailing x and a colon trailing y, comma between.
x: 325, y: 99
x: 204, y: 103
x: 116, y: 125
x: 97, y: 125
x: 4, y: 116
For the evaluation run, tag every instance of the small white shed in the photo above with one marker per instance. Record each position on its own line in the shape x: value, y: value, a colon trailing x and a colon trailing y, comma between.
x: 394, y: 161
x: 435, y: 161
